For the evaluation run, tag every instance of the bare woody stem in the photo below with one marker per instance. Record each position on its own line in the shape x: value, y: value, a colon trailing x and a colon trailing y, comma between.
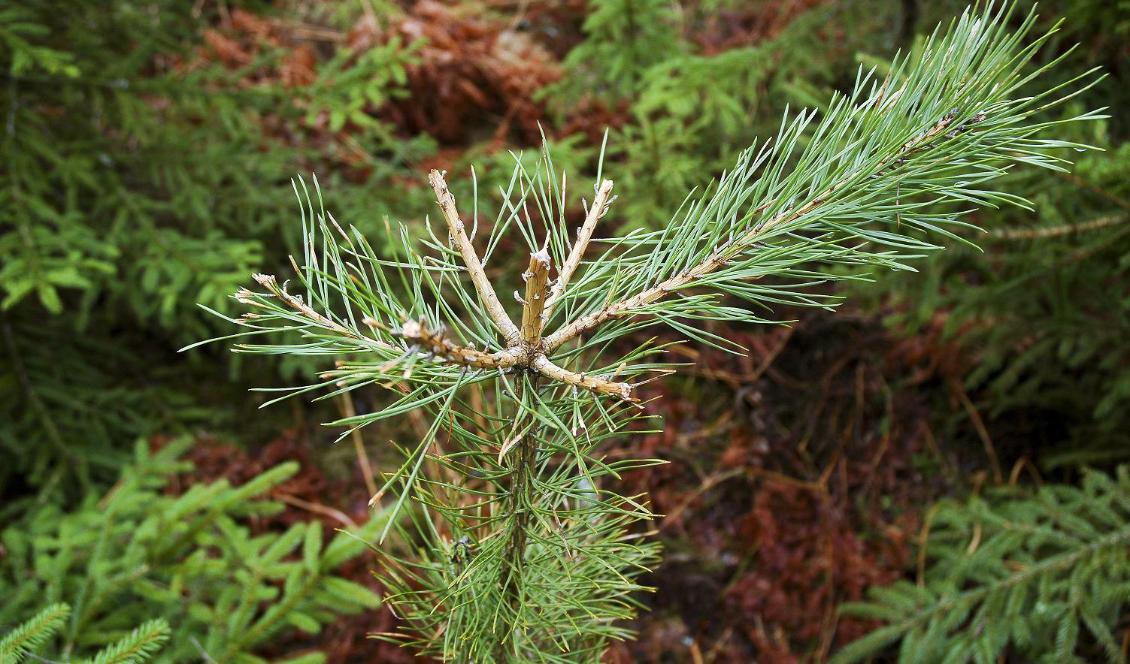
x: 471, y: 260
x: 536, y: 277
x: 584, y: 234
x: 439, y: 345
x: 544, y: 366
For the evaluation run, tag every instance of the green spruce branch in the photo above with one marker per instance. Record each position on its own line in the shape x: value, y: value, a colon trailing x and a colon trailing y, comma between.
x: 191, y: 559
x: 26, y: 639
x: 1012, y: 574
x: 31, y: 635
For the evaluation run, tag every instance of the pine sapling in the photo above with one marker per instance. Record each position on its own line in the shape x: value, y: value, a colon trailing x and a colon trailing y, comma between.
x: 520, y: 547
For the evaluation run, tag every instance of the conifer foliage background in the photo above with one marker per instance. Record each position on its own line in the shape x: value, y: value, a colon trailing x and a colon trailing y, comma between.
x: 148, y: 152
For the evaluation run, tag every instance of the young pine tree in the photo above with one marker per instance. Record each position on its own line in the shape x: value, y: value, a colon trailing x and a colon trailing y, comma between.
x: 521, y: 548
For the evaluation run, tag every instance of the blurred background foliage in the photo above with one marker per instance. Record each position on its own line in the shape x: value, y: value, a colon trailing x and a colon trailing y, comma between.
x: 148, y: 152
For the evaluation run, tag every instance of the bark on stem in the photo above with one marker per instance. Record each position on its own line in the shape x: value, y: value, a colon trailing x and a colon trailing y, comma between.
x: 584, y: 234
x: 439, y: 345
x: 471, y: 260
x: 547, y: 368
x: 536, y: 276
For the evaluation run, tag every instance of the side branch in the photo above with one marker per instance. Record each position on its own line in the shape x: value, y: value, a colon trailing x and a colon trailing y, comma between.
x: 598, y: 209
x: 439, y: 345
x: 545, y: 367
x: 471, y: 260
x: 1057, y: 231
x: 296, y: 303
x: 728, y: 251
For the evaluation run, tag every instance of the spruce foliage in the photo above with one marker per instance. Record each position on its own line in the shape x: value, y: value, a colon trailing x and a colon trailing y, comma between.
x: 28, y: 638
x: 523, y: 550
x: 136, y: 552
x: 624, y: 38
x: 142, y: 176
x: 1030, y: 576
x: 31, y: 635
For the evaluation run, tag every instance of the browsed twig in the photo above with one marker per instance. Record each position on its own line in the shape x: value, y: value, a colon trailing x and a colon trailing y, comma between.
x: 525, y: 348
x: 471, y: 260
x: 296, y: 303
x: 545, y: 367
x: 533, y: 317
x: 439, y: 345
x: 584, y: 234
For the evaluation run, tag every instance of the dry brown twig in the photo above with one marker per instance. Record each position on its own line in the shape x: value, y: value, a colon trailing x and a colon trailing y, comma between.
x: 471, y: 260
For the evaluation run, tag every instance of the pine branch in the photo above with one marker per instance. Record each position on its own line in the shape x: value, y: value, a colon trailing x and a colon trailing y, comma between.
x: 295, y: 302
x: 595, y: 212
x: 733, y: 248
x: 875, y: 158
